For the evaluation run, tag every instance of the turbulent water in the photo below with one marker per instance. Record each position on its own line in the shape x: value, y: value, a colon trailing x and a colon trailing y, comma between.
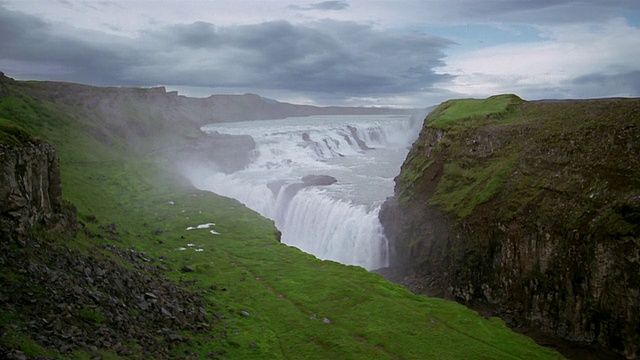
x: 339, y: 221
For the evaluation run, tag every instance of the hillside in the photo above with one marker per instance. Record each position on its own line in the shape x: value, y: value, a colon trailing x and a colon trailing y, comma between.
x: 531, y: 209
x: 144, y: 277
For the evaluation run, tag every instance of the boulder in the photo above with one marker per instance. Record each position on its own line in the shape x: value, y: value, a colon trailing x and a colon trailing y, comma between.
x: 318, y: 180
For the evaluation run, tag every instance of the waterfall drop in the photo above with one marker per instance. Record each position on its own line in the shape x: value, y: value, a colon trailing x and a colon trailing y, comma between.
x: 338, y: 221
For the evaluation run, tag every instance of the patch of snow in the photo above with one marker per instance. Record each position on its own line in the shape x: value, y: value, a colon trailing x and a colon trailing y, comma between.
x: 201, y: 226
x: 214, y: 232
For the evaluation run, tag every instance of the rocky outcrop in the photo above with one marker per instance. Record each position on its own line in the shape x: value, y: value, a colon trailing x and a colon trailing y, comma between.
x: 228, y: 153
x: 533, y: 210
x: 319, y: 180
x: 31, y: 192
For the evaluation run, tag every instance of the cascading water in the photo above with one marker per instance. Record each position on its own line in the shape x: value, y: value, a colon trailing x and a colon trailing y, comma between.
x: 339, y: 221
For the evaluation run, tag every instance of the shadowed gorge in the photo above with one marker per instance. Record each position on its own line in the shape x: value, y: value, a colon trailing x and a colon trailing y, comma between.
x: 529, y: 209
x: 158, y: 269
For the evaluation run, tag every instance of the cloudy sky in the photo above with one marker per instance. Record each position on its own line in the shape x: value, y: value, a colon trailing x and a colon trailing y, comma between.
x: 405, y: 53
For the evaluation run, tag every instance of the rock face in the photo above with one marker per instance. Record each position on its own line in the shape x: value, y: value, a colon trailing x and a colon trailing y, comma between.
x: 30, y: 191
x: 533, y: 209
x: 229, y: 153
x: 319, y: 180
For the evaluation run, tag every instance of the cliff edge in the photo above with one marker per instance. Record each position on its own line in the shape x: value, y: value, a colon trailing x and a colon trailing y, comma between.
x: 531, y: 208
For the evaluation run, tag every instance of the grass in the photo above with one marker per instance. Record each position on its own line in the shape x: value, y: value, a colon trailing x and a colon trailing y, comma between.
x: 12, y: 134
x: 299, y: 306
x: 464, y: 185
x: 91, y: 315
x: 461, y: 189
x: 288, y: 293
x: 469, y: 113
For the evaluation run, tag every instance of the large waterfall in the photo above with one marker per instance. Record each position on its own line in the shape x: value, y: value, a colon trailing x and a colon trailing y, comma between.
x: 336, y: 221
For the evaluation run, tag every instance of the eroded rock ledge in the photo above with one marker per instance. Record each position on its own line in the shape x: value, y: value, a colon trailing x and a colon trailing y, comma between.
x: 30, y: 191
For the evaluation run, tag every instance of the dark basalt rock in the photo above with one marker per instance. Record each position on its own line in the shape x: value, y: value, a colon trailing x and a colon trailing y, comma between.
x: 319, y: 180
x: 354, y: 133
x: 31, y: 192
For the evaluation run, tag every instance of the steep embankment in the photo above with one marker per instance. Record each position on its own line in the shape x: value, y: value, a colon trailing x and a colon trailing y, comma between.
x: 161, y: 270
x: 533, y: 207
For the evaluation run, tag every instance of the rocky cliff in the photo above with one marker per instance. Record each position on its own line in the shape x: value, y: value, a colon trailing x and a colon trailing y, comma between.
x: 31, y: 193
x: 530, y: 207
x: 67, y: 301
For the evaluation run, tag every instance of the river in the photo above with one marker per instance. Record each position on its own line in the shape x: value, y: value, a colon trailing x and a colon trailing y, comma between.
x: 336, y: 222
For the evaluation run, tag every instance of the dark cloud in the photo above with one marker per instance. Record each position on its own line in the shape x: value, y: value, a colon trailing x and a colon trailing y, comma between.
x: 330, y: 5
x: 197, y: 35
x: 323, y: 6
x: 622, y: 84
x: 25, y: 38
x: 330, y: 57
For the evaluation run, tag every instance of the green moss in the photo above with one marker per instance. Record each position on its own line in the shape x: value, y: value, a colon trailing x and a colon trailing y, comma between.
x: 461, y: 189
x: 91, y: 315
x: 411, y: 173
x: 13, y: 338
x: 619, y: 220
x: 13, y: 134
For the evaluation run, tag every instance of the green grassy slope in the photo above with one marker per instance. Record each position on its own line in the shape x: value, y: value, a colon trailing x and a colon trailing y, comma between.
x: 298, y: 306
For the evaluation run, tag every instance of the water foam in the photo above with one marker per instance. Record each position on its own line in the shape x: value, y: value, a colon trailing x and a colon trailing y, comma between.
x: 324, y: 221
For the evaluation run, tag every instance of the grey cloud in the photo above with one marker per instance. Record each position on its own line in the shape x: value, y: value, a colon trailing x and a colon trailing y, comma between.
x: 324, y: 6
x: 622, y: 84
x: 196, y: 35
x: 330, y: 5
x: 535, y: 12
x: 339, y: 58
x: 76, y: 56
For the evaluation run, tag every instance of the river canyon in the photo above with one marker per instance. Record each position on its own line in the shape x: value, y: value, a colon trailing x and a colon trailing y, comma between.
x: 322, y: 179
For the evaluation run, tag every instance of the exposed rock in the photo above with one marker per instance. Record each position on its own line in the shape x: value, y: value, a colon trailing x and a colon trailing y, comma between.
x: 187, y: 269
x: 553, y: 242
x: 319, y: 180
x: 66, y: 315
x: 71, y: 301
x: 31, y: 192
x: 354, y: 133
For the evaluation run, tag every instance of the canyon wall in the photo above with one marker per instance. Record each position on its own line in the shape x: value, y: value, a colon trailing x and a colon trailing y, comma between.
x: 531, y: 208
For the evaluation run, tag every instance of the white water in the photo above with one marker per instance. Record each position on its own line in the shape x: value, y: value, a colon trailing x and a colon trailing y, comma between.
x: 337, y: 222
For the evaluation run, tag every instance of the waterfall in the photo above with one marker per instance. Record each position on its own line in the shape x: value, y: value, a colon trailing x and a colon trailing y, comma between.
x: 334, y: 229
x: 337, y: 222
